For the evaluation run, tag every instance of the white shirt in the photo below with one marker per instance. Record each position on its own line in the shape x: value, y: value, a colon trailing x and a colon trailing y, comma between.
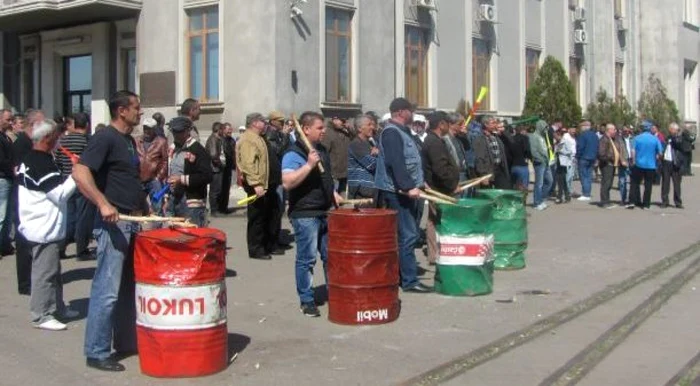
x: 668, y: 153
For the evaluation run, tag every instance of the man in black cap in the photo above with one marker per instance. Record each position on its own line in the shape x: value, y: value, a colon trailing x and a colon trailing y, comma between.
x: 190, y: 173
x: 441, y: 172
x: 399, y: 177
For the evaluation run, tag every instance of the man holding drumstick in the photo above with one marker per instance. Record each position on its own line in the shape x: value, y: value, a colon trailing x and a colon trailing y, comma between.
x: 108, y: 176
x: 311, y: 195
x: 399, y: 177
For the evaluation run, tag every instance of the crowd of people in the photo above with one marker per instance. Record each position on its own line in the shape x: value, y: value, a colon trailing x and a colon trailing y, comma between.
x: 63, y: 182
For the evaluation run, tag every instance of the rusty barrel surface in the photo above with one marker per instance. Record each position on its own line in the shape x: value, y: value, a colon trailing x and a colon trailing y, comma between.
x: 181, y: 302
x: 363, y: 266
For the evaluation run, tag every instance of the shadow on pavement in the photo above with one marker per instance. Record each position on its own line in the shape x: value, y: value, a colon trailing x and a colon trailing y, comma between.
x: 231, y: 273
x: 236, y: 344
x: 78, y: 274
x: 320, y: 295
x: 80, y: 305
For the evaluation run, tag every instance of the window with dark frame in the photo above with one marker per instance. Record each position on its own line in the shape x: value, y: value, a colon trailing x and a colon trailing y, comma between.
x: 203, y: 53
x: 338, y: 55
x: 619, y: 89
x: 575, y: 76
x: 532, y: 64
x: 129, y: 68
x: 416, y: 65
x: 77, y: 84
x: 481, y: 70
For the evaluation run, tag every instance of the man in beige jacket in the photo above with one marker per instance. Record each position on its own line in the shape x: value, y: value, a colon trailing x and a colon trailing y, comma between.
x: 260, y: 178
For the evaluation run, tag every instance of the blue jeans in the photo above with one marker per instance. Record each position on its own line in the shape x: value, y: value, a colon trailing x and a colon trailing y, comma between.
x: 407, y: 212
x: 311, y: 235
x: 623, y: 177
x: 585, y: 169
x: 570, y: 170
x: 520, y: 176
x: 81, y: 217
x: 152, y: 187
x: 197, y: 216
x: 5, y: 213
x: 543, y: 183
x: 112, y: 308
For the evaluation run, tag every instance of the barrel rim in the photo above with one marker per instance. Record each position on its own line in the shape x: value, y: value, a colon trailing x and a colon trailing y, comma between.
x: 363, y: 212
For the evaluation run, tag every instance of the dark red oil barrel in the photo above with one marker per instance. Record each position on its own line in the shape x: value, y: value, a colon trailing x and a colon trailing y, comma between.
x: 363, y: 267
x: 181, y: 302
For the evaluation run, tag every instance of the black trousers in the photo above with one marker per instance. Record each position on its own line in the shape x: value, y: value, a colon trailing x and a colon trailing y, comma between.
x: 639, y: 175
x: 23, y: 250
x: 264, y: 215
x: 562, y: 187
x: 670, y: 172
x: 226, y: 177
x: 500, y: 179
x: 607, y: 172
x: 215, y: 192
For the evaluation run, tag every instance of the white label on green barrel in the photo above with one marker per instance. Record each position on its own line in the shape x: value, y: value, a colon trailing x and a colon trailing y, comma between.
x: 181, y: 308
x: 470, y: 250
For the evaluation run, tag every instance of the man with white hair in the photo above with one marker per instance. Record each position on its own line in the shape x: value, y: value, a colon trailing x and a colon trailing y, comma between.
x: 43, y: 200
x: 418, y: 126
x: 673, y: 162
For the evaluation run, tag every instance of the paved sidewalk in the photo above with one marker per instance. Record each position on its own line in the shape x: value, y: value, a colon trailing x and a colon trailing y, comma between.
x: 575, y: 250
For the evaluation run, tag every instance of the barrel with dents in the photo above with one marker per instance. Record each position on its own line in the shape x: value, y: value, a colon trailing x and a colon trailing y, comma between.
x: 181, y: 302
x: 363, y: 267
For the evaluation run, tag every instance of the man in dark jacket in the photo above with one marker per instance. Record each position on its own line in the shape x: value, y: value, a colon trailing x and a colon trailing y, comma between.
x: 277, y: 144
x: 440, y: 171
x: 586, y: 155
x: 490, y: 156
x: 229, y: 145
x: 672, y: 165
x: 337, y: 141
x: 215, y: 148
x: 191, y: 185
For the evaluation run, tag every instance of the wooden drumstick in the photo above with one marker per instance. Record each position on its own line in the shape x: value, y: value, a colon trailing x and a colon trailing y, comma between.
x: 123, y: 217
x: 474, y: 182
x: 437, y: 194
x: 359, y: 201
x: 306, y: 141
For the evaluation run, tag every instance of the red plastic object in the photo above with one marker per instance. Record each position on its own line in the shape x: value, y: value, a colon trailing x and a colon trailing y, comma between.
x: 74, y: 159
x: 363, y: 267
x: 181, y: 302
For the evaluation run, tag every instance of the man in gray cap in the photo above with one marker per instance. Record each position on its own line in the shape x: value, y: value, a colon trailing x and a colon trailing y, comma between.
x: 260, y: 178
x: 190, y: 173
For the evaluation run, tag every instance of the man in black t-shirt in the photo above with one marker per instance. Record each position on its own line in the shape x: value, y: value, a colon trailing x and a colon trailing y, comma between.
x: 108, y: 175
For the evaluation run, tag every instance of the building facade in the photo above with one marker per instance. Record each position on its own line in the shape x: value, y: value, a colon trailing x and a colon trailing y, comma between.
x: 338, y: 56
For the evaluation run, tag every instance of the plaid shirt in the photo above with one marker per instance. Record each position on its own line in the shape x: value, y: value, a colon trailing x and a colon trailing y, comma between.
x: 495, y: 149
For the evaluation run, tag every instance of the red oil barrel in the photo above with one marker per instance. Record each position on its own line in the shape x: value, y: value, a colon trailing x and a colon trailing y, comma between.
x: 181, y: 302
x: 363, y: 266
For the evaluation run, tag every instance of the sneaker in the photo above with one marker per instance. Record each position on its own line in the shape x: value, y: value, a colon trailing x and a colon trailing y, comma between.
x: 584, y: 198
x: 629, y: 206
x: 541, y: 206
x: 310, y: 309
x: 51, y: 325
x: 610, y: 206
x: 68, y: 313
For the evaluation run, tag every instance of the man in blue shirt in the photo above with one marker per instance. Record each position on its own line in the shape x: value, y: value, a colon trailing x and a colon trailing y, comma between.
x: 311, y: 195
x: 647, y: 148
x: 399, y: 177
